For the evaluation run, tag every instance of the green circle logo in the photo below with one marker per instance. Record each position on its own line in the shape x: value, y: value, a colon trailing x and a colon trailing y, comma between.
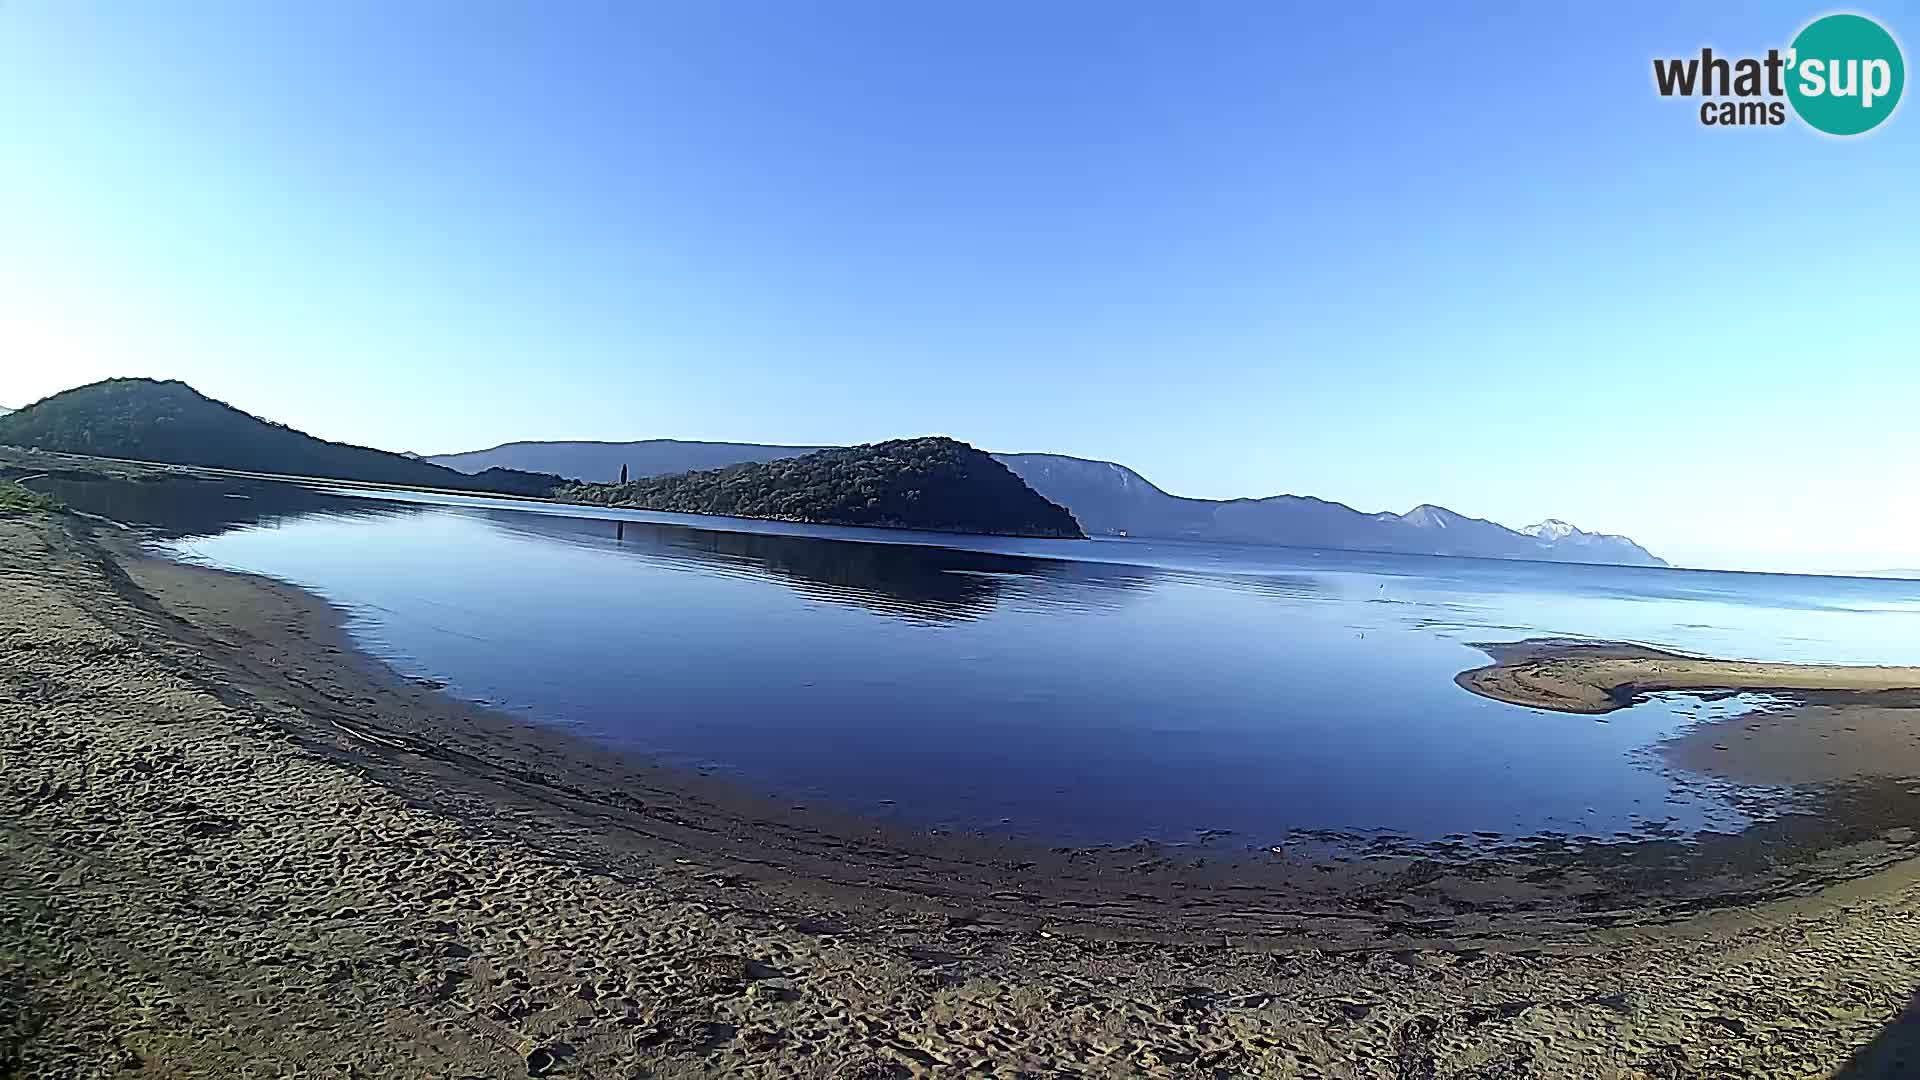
x: 1845, y: 74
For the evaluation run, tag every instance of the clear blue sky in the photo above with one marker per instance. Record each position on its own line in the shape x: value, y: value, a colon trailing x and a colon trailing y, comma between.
x: 1385, y: 255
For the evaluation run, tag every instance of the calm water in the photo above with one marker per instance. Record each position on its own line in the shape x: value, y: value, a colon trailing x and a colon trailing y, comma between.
x: 1084, y: 692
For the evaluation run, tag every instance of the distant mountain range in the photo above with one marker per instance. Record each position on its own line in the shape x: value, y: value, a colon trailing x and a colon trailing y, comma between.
x: 170, y: 422
x: 1113, y: 500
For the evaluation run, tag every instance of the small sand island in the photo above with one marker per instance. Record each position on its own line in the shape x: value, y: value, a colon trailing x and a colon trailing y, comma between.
x: 1593, y: 677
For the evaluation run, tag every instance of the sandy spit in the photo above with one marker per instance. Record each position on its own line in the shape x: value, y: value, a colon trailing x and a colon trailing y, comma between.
x: 1600, y: 676
x: 231, y: 846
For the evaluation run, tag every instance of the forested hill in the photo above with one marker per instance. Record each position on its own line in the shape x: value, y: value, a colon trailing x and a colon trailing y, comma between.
x: 171, y: 422
x: 937, y: 484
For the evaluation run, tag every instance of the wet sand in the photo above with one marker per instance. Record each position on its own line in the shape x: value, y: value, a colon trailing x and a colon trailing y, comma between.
x: 1804, y: 743
x: 231, y: 842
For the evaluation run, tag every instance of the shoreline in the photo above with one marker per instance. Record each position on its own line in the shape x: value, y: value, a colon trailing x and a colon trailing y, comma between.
x: 1351, y: 889
x: 84, y: 464
x: 1171, y: 890
x: 1067, y: 955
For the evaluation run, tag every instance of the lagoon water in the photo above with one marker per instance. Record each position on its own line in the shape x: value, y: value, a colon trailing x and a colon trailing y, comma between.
x: 1092, y: 692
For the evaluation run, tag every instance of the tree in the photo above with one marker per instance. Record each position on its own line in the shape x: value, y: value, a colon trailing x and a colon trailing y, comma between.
x: 929, y: 483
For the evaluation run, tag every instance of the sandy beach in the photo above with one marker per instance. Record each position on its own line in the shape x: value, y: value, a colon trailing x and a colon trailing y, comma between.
x: 230, y: 844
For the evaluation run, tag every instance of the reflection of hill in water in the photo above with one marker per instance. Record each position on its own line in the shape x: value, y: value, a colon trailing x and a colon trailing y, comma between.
x: 172, y: 507
x: 912, y: 581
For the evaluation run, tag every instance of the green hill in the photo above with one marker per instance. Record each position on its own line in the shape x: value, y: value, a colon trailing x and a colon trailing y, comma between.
x: 936, y: 484
x: 171, y: 422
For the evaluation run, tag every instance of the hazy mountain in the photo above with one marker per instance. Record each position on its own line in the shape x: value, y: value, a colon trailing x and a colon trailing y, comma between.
x: 1110, y: 499
x: 171, y: 422
x: 601, y: 462
x: 930, y: 483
